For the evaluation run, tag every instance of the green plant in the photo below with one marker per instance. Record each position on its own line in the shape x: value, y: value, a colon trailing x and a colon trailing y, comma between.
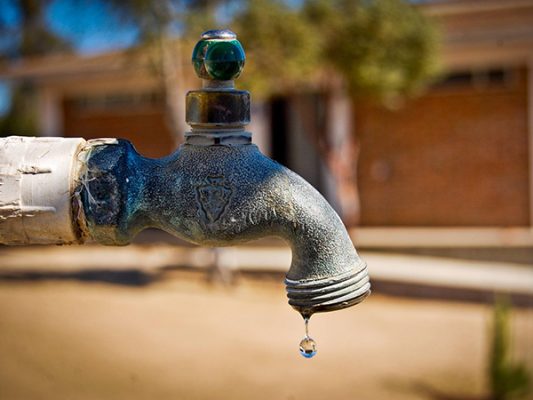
x: 508, y: 379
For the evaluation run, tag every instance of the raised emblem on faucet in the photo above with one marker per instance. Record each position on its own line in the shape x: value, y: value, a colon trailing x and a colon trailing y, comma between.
x: 213, y: 196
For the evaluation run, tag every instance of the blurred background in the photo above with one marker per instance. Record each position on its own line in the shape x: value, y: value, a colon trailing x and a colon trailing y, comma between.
x: 413, y: 118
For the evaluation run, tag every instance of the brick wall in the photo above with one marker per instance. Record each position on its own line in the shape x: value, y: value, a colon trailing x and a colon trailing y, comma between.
x: 457, y: 156
x: 142, y: 123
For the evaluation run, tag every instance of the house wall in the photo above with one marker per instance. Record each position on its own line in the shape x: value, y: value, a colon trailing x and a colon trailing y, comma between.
x: 457, y: 156
x: 136, y: 116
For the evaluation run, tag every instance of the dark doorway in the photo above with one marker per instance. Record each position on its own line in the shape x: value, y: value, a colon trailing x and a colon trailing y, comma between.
x: 279, y: 125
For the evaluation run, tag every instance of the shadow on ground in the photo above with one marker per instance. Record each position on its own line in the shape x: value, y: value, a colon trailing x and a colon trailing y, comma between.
x: 436, y: 394
x: 427, y: 391
x: 126, y: 277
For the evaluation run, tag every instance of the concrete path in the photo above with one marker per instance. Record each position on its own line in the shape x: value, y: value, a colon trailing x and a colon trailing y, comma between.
x: 390, y: 268
x: 182, y: 338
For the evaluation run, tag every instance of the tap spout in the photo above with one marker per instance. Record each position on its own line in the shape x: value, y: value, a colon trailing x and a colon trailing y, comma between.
x: 222, y: 195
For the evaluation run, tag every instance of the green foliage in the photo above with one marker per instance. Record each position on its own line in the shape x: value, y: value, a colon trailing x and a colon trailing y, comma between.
x: 21, y: 119
x: 281, y: 47
x: 507, y: 380
x: 382, y: 48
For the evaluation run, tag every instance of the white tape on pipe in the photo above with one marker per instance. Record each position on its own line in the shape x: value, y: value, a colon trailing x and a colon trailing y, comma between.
x: 37, y: 178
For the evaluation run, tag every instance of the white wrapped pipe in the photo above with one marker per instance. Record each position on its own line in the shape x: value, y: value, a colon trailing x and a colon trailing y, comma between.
x: 37, y: 180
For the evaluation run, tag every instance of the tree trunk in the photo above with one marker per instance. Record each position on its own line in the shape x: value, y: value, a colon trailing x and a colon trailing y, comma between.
x: 342, y: 154
x: 173, y: 87
x: 331, y: 132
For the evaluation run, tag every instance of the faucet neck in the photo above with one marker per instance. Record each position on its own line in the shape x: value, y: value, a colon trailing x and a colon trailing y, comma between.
x: 217, y: 108
x: 208, y: 84
x: 218, y: 112
x: 213, y: 137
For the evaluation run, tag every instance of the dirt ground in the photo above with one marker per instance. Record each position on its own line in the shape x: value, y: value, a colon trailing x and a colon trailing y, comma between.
x: 186, y: 339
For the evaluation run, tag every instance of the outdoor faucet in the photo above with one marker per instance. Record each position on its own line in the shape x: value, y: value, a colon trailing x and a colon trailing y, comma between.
x: 217, y: 189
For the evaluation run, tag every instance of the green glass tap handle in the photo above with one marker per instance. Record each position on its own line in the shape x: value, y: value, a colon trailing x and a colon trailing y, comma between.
x: 218, y: 56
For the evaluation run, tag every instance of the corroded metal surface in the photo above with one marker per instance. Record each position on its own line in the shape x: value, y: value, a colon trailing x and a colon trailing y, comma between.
x: 218, y: 108
x: 221, y: 195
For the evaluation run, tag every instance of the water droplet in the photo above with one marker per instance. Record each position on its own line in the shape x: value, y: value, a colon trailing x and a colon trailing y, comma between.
x: 307, y: 345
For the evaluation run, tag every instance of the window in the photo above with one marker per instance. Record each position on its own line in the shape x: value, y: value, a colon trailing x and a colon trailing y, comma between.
x: 480, y: 79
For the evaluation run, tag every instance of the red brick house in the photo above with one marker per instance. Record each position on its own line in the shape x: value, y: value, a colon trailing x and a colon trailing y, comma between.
x: 458, y: 159
x: 461, y: 155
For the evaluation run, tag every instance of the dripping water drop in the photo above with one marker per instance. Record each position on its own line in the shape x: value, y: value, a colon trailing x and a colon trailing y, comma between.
x: 307, y: 345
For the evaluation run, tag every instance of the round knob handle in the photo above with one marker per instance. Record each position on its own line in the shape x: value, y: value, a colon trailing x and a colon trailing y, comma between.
x: 218, y: 56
